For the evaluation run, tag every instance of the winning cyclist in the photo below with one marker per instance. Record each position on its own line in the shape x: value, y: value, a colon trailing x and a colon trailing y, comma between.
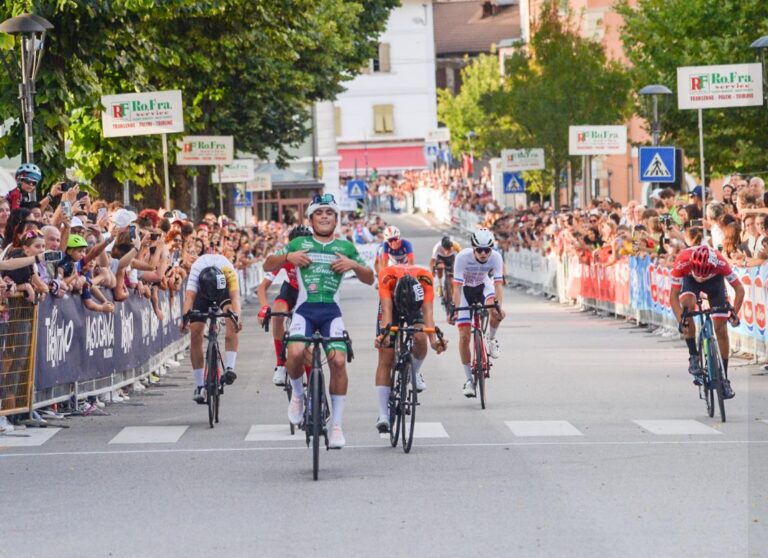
x: 284, y: 302
x: 443, y: 256
x: 404, y: 290
x: 701, y: 269
x: 322, y: 262
x: 474, y: 285
x: 394, y: 250
x: 212, y: 280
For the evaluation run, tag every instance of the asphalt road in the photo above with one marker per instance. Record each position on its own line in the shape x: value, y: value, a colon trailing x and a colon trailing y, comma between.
x: 593, y: 444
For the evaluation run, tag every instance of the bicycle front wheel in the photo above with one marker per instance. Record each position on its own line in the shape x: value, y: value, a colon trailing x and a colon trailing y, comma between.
x: 408, y: 401
x: 481, y: 365
x: 315, y: 405
x: 716, y: 378
x: 211, y: 383
x: 289, y: 392
x: 394, y: 410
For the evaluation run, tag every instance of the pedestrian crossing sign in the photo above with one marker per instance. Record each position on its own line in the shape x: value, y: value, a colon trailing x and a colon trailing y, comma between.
x: 657, y: 164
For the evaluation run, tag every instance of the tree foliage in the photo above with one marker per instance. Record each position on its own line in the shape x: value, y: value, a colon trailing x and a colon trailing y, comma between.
x: 661, y: 35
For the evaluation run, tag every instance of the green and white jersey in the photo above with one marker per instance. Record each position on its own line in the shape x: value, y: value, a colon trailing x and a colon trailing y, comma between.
x: 318, y: 282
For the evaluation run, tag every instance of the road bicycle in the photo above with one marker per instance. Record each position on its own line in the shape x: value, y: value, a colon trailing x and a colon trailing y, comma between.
x: 710, y: 359
x: 316, y: 409
x: 446, y: 300
x: 403, y: 399
x: 287, y: 388
x: 214, y: 364
x: 481, y: 364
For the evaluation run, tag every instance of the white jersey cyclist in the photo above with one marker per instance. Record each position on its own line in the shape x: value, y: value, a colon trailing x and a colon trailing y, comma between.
x: 212, y: 260
x: 475, y: 277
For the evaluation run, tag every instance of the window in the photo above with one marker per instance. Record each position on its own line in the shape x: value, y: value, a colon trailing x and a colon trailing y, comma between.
x: 337, y: 120
x: 382, y: 63
x: 383, y: 119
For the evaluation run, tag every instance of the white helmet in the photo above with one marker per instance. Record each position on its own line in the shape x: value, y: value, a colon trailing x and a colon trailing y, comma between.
x: 391, y: 232
x: 326, y: 200
x: 483, y: 238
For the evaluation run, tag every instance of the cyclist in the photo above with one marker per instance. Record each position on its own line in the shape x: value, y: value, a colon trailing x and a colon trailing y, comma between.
x: 394, y: 250
x: 443, y: 256
x: 701, y: 269
x: 475, y: 285
x: 322, y: 261
x: 284, y: 302
x: 404, y: 290
x: 212, y: 279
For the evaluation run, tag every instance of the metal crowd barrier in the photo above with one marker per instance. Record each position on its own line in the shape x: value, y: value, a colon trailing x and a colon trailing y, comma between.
x: 18, y: 324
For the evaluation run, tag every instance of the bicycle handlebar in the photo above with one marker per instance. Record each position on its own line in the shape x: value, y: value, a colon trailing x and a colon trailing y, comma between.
x: 476, y: 307
x: 319, y: 339
x: 270, y: 314
x: 212, y: 314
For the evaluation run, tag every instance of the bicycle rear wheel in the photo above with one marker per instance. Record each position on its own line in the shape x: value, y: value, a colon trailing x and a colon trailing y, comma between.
x: 481, y: 364
x: 211, y: 383
x: 716, y: 377
x: 315, y: 405
x: 408, y: 402
x: 705, y: 390
x: 394, y: 409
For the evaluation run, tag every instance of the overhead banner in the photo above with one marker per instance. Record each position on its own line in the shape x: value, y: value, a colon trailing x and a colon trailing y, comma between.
x: 241, y: 170
x: 517, y: 160
x: 262, y: 182
x: 205, y: 150
x: 729, y: 85
x: 140, y: 114
x: 597, y: 140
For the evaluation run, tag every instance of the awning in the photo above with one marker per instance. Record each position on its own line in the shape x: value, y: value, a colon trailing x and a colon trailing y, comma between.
x: 383, y: 159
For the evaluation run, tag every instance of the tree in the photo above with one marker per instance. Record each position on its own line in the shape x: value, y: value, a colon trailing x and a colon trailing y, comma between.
x: 661, y: 35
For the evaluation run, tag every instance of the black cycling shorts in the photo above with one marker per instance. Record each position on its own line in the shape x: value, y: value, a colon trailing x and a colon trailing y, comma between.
x: 447, y: 261
x: 288, y: 294
x: 202, y: 304
x: 714, y: 288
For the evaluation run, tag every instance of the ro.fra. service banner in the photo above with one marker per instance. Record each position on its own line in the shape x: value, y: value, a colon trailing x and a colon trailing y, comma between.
x: 205, y: 150
x: 597, y: 140
x: 729, y: 85
x: 139, y: 114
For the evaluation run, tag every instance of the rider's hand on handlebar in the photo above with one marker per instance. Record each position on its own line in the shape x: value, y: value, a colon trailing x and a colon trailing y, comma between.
x: 263, y: 313
x: 682, y: 325
x: 734, y: 319
x: 236, y: 321
x: 184, y: 327
x: 439, y: 345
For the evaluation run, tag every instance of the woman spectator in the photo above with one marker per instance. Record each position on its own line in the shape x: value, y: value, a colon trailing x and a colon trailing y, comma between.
x: 5, y: 213
x: 27, y: 279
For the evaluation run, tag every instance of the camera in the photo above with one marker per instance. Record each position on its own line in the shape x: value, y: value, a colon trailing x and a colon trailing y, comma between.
x: 53, y: 256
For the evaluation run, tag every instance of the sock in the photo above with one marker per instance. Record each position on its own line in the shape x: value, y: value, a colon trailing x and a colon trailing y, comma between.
x: 468, y: 371
x: 492, y: 330
x: 229, y: 359
x: 725, y: 367
x: 198, y: 374
x: 692, y: 347
x: 383, y: 393
x: 298, y: 386
x: 307, y: 370
x: 279, y: 351
x: 337, y: 408
x: 417, y: 362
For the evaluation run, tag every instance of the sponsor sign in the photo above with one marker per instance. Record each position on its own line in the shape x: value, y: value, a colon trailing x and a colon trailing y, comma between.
x: 205, y: 150
x: 139, y: 114
x: 262, y: 182
x: 728, y: 85
x: 597, y: 140
x: 516, y: 160
x: 241, y: 170
x: 438, y: 135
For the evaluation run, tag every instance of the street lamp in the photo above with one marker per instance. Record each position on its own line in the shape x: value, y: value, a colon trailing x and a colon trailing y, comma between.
x: 32, y: 29
x: 761, y: 45
x: 654, y: 91
x: 470, y: 136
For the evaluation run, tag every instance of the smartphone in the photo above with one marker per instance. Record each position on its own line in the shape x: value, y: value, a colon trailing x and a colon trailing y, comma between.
x: 66, y: 207
x: 697, y: 222
x: 154, y: 236
x: 100, y: 215
x: 53, y: 256
x: 132, y: 232
x: 66, y: 186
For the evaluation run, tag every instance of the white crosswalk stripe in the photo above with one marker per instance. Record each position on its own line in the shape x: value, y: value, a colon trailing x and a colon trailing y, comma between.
x: 149, y: 435
x: 528, y: 428
x: 272, y: 433
x: 427, y: 430
x: 28, y: 438
x: 675, y: 427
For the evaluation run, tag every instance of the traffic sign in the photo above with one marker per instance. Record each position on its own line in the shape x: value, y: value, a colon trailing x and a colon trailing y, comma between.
x: 243, y: 199
x: 356, y: 189
x: 513, y: 183
x: 657, y: 164
x: 431, y: 152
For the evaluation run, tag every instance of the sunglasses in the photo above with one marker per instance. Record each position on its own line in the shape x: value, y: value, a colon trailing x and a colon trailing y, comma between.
x: 325, y: 198
x: 393, y: 240
x: 483, y: 250
x: 28, y: 181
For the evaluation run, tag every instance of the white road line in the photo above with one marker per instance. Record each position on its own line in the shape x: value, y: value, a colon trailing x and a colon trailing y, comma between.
x: 530, y: 428
x: 149, y: 435
x: 675, y: 427
x: 426, y: 430
x: 28, y: 438
x: 379, y: 447
x: 271, y: 433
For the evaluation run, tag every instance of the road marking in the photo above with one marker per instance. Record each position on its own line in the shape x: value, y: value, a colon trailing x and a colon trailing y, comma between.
x: 765, y: 421
x: 426, y: 430
x: 28, y: 438
x: 149, y: 435
x: 527, y: 428
x: 271, y: 433
x: 675, y: 427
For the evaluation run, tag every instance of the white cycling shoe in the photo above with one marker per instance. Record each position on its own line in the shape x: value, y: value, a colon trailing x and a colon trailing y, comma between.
x: 421, y: 385
x: 493, y: 348
x: 296, y: 409
x: 279, y: 377
x: 469, y: 389
x: 382, y: 425
x: 336, y: 439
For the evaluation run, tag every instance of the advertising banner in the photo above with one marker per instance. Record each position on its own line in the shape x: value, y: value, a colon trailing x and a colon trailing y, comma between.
x: 597, y: 140
x: 261, y: 182
x: 729, y: 85
x: 516, y: 160
x: 140, y: 114
x: 438, y: 135
x: 241, y: 170
x: 205, y: 150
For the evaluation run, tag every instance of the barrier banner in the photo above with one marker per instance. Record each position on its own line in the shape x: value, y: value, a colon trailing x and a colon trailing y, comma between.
x: 75, y: 344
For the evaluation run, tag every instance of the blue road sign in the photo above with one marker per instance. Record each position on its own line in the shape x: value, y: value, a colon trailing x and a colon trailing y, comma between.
x: 356, y: 189
x: 657, y: 164
x: 431, y: 151
x: 243, y: 199
x: 513, y: 183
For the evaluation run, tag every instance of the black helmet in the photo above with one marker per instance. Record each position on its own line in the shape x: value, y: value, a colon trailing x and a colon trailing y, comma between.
x: 212, y: 284
x: 446, y: 242
x: 409, y: 296
x: 299, y: 230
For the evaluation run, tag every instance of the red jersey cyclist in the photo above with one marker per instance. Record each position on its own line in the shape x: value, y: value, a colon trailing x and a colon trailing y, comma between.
x: 701, y: 269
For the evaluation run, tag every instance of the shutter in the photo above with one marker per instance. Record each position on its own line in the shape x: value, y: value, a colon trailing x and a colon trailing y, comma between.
x: 378, y: 119
x: 389, y: 120
x: 337, y: 120
x: 384, y: 60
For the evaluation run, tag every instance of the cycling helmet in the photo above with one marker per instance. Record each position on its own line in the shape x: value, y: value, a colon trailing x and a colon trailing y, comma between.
x: 76, y: 241
x: 446, y: 242
x: 409, y: 296
x: 482, y: 238
x: 391, y: 233
x: 212, y: 284
x: 703, y: 261
x: 299, y: 230
x: 326, y: 200
x: 30, y: 171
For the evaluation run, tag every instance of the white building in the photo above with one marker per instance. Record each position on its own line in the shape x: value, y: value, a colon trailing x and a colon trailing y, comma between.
x: 383, y: 117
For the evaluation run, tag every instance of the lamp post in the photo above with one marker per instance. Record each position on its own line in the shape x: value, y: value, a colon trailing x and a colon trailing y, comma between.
x: 654, y: 92
x: 32, y: 29
x: 760, y: 45
x: 470, y: 136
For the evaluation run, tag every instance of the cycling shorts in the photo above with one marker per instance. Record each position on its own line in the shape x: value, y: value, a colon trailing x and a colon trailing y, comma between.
x: 319, y: 316
x: 416, y: 319
x: 202, y: 304
x: 447, y: 261
x: 714, y: 288
x: 288, y: 294
x: 479, y: 294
